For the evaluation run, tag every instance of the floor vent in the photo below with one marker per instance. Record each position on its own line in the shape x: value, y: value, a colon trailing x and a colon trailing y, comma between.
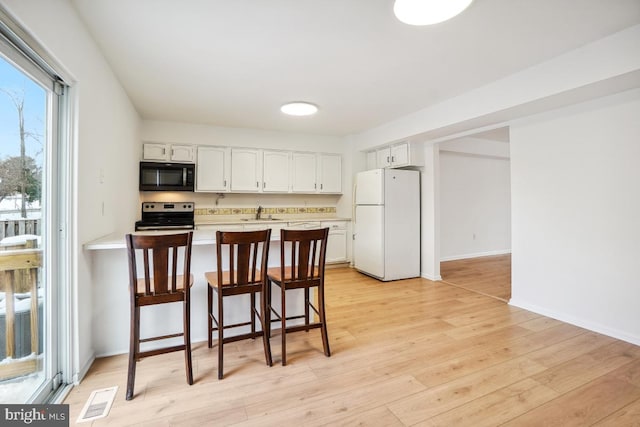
x: 98, y: 404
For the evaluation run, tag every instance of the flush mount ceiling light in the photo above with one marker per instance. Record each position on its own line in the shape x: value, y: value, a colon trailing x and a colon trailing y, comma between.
x: 427, y: 12
x: 299, y: 108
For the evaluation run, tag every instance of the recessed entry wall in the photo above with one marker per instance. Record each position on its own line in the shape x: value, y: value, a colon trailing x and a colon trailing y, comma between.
x: 475, y: 198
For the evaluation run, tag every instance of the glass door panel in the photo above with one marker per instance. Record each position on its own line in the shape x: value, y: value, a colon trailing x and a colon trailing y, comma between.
x: 26, y: 312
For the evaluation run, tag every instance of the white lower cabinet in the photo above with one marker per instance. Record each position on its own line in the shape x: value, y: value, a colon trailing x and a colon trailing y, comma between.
x: 216, y: 227
x: 275, y: 228
x: 337, y: 241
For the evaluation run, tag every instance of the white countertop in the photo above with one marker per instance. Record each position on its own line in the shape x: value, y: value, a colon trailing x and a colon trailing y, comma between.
x: 116, y: 240
x: 200, y: 237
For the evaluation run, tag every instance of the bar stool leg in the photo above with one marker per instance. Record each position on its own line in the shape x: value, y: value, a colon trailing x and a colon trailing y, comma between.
x: 220, y: 334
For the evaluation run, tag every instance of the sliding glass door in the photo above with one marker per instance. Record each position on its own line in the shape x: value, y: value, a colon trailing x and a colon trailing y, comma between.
x: 32, y: 255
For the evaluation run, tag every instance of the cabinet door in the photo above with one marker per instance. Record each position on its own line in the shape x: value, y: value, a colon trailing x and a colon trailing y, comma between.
x: 400, y: 155
x: 337, y: 241
x: 155, y: 151
x: 383, y: 157
x: 275, y: 172
x: 337, y: 246
x: 246, y: 170
x: 330, y: 173
x: 182, y: 153
x: 212, y: 170
x: 303, y: 173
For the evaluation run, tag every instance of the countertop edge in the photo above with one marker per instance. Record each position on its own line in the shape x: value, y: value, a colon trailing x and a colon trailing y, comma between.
x: 200, y: 237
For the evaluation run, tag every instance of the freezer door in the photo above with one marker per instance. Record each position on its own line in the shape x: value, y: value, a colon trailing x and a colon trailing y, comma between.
x: 368, y: 246
x: 370, y: 187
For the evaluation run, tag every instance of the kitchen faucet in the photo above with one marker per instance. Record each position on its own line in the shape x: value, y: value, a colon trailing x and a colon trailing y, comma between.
x: 259, y: 212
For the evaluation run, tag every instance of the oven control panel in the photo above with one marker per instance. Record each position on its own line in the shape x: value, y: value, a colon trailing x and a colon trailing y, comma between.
x: 168, y: 207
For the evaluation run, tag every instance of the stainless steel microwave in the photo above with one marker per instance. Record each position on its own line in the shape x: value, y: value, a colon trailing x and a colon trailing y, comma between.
x: 166, y: 176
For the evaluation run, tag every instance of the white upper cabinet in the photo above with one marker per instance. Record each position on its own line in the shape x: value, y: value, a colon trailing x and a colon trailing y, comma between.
x: 212, y: 169
x: 329, y: 173
x: 406, y: 154
x: 154, y: 151
x: 397, y: 155
x: 183, y: 153
x: 275, y: 172
x: 222, y: 169
x: 246, y: 170
x: 383, y: 157
x: 303, y: 172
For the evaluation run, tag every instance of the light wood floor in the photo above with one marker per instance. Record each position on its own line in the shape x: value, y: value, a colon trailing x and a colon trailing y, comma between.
x: 405, y: 353
x: 489, y: 275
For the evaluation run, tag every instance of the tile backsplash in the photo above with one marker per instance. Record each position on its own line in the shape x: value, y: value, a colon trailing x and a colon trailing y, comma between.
x: 267, y: 211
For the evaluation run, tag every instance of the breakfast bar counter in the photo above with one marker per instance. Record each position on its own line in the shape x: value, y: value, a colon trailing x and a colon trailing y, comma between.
x: 110, y: 295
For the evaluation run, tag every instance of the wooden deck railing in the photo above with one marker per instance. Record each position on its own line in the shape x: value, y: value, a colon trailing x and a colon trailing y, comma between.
x: 19, y: 265
x: 17, y: 227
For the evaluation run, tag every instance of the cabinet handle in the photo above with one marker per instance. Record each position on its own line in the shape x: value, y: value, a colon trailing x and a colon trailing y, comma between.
x: 264, y: 185
x: 224, y: 183
x: 387, y: 159
x: 321, y: 186
x: 257, y: 184
x: 164, y: 151
x: 315, y: 186
x: 393, y: 159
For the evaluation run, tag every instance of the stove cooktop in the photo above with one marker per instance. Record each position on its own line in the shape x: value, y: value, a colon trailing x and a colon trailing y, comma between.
x: 166, y: 216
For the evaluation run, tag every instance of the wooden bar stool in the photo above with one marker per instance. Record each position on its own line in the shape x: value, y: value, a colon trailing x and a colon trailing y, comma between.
x: 302, y: 264
x: 160, y: 284
x: 242, y: 271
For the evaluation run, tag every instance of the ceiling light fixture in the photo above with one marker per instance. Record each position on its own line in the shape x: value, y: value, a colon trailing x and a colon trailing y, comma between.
x: 427, y: 12
x: 299, y: 108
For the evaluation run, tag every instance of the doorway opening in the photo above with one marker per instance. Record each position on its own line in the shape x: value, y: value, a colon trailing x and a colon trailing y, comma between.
x: 475, y: 213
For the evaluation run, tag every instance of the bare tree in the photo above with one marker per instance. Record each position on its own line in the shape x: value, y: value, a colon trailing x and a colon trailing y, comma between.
x: 17, y: 98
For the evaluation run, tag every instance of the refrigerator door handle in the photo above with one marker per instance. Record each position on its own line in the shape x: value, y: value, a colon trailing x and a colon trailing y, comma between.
x: 353, y: 205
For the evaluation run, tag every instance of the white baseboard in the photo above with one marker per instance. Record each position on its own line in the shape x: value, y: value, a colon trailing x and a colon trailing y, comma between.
x: 582, y: 323
x: 83, y: 370
x: 476, y: 255
x: 432, y: 278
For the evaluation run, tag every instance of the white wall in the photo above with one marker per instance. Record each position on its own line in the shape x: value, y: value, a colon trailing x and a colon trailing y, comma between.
x: 105, y: 148
x: 576, y: 215
x: 430, y: 214
x: 475, y: 201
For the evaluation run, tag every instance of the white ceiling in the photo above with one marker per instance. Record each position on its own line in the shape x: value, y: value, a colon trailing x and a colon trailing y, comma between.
x: 234, y: 62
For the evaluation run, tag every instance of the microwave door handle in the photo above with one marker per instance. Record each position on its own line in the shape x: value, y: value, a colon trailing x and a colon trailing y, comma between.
x: 184, y: 177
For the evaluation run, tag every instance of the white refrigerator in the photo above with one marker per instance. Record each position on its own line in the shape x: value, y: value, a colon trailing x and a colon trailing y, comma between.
x: 387, y: 223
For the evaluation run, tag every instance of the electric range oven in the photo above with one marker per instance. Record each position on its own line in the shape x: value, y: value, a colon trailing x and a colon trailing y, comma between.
x: 166, y: 216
